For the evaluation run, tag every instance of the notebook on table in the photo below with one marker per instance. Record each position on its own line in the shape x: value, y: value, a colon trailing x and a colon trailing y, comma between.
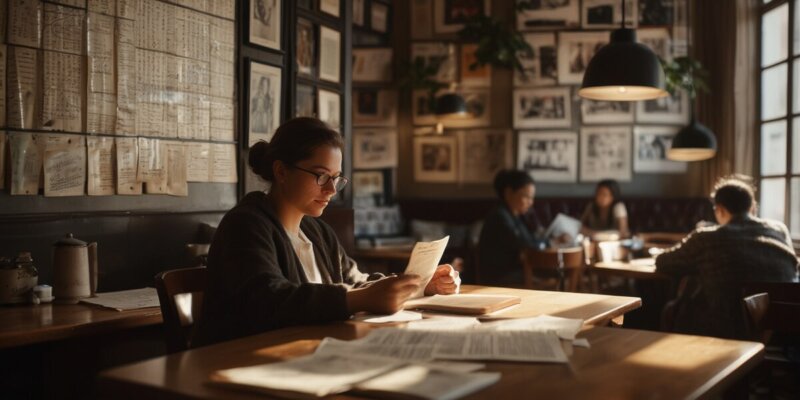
x: 471, y: 304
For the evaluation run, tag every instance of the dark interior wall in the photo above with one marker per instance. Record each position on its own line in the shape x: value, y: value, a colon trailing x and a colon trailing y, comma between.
x: 688, y: 184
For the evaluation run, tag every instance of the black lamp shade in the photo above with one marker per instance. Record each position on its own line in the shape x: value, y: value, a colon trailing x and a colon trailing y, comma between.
x: 451, y: 105
x: 623, y: 70
x: 695, y: 142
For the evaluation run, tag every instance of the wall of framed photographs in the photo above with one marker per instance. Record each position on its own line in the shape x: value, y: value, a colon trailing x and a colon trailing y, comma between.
x: 294, y: 64
x: 535, y: 120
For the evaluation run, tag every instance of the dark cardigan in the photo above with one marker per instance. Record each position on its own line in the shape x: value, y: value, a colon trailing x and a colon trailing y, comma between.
x: 257, y: 283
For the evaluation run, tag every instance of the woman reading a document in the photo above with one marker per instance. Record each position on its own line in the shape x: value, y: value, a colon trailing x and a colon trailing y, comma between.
x: 273, y: 264
x: 606, y: 212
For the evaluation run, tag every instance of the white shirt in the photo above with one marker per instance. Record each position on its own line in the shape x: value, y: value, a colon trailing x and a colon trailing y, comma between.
x: 305, y: 252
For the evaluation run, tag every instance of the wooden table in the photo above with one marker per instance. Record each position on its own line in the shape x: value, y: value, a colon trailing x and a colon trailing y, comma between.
x: 644, y: 268
x: 621, y: 364
x: 29, y: 324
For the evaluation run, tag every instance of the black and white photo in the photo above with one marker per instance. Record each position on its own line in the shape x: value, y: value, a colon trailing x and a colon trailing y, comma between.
x: 650, y: 146
x: 379, y: 17
x: 672, y: 110
x: 264, y: 98
x: 655, y: 12
x: 548, y: 15
x: 372, y: 64
x: 374, y: 107
x: 304, y: 104
x: 606, y: 112
x: 330, y: 6
x: 478, y: 102
x: 450, y: 15
x: 575, y: 50
x: 305, y: 47
x: 330, y: 108
x: 435, y: 159
x: 368, y: 188
x: 441, y: 54
x: 542, y: 108
x: 540, y: 65
x: 605, y: 153
x: 374, y: 148
x: 548, y: 156
x: 482, y: 154
x: 330, y: 43
x: 607, y: 14
x: 265, y: 23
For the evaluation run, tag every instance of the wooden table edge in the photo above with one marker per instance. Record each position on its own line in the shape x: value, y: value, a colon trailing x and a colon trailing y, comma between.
x: 733, y: 372
x: 621, y: 310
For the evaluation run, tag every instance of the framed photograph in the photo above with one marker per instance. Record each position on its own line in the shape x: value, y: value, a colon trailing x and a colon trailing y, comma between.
x: 450, y: 15
x: 358, y: 12
x: 477, y: 76
x: 680, y: 28
x: 607, y: 14
x: 655, y: 12
x: 435, y: 159
x: 421, y: 20
x: 304, y: 103
x: 548, y: 156
x: 372, y: 64
x: 575, y: 49
x: 605, y: 153
x: 331, y: 7
x: 672, y: 110
x: 374, y: 148
x: 443, y: 54
x: 379, y: 17
x: 606, y: 112
x: 422, y: 109
x: 264, y: 102
x: 305, y: 47
x: 265, y: 23
x: 483, y: 153
x: 330, y: 54
x: 540, y: 65
x: 549, y: 15
x: 374, y: 107
x: 329, y: 106
x: 651, y: 144
x: 368, y: 188
x: 542, y: 108
x: 478, y: 109
x: 658, y: 40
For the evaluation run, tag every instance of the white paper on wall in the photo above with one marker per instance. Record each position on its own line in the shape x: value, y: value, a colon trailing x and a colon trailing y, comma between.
x: 22, y: 87
x: 222, y: 163
x: 63, y: 29
x: 176, y: 169
x: 126, y: 78
x: 65, y: 167
x: 62, y: 92
x: 197, y: 167
x: 25, y: 23
x: 151, y: 166
x: 26, y: 163
x: 105, y: 7
x: 127, y: 162
x: 100, y: 153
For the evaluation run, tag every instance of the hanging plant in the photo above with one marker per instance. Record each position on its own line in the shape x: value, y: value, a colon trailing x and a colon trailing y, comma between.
x: 421, y: 74
x: 685, y: 73
x: 498, y: 44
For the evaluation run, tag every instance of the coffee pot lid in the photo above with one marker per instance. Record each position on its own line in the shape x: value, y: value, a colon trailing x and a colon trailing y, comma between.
x: 70, y: 240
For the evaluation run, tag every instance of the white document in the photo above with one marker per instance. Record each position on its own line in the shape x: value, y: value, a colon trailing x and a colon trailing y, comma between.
x: 126, y: 299
x: 331, y: 346
x: 564, y: 224
x: 100, y: 154
x: 127, y: 162
x: 424, y: 260
x: 106, y: 7
x: 316, y: 375
x: 176, y: 169
x: 126, y: 78
x: 26, y: 163
x: 101, y: 99
x: 152, y: 166
x: 197, y: 162
x: 63, y: 29
x: 443, y: 323
x: 565, y: 328
x: 222, y: 163
x: 420, y: 381
x: 25, y: 22
x: 22, y: 86
x: 400, y: 316
x: 65, y: 168
x: 63, y: 92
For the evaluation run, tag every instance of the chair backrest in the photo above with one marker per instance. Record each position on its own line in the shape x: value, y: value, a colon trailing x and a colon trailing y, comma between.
x: 780, y: 314
x: 180, y: 293
x: 756, y: 307
x: 548, y: 261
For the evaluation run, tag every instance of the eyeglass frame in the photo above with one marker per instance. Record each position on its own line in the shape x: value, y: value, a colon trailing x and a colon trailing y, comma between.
x: 336, y: 179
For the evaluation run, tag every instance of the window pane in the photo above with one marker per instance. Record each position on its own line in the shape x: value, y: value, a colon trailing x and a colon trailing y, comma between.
x: 796, y: 88
x: 773, y: 148
x: 796, y: 147
x: 794, y: 201
x: 773, y: 193
x: 773, y: 92
x: 774, y: 35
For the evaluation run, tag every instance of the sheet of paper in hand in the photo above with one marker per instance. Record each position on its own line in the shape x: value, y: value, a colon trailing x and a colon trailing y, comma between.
x: 424, y: 260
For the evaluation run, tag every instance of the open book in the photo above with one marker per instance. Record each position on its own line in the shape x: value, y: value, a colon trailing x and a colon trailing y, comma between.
x: 320, y: 375
x: 472, y: 304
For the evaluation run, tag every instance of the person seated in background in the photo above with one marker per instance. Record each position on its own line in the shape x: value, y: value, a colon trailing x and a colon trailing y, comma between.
x: 505, y: 233
x: 606, y: 212
x: 720, y: 259
x: 273, y: 264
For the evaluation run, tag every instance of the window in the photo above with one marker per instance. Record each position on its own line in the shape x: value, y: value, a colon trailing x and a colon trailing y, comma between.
x: 779, y: 133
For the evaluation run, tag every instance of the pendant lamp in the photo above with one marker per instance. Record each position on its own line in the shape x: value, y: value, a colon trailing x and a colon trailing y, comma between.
x: 695, y: 142
x: 623, y: 70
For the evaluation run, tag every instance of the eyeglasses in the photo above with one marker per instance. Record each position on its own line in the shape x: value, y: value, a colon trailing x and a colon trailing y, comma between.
x: 339, y: 182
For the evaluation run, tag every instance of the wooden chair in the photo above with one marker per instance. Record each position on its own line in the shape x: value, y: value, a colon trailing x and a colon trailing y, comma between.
x: 180, y: 293
x: 558, y: 262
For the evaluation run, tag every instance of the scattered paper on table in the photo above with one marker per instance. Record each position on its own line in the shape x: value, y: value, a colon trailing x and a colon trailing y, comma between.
x: 400, y: 316
x: 443, y: 323
x: 126, y: 299
x: 565, y: 328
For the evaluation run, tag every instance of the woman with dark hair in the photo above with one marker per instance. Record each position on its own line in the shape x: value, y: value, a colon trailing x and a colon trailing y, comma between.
x: 606, y: 212
x: 273, y: 264
x: 505, y: 233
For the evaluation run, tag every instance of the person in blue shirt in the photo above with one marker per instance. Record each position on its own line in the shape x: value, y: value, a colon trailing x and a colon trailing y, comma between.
x: 505, y: 230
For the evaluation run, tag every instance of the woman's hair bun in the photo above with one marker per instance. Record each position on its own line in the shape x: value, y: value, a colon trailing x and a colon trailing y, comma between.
x: 260, y: 160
